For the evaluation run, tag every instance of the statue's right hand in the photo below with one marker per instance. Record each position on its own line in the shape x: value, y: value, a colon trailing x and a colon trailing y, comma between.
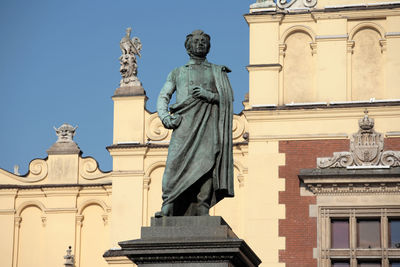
x: 172, y: 121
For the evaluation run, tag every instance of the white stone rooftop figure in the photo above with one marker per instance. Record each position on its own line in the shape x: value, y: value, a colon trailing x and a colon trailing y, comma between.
x: 129, y: 48
x: 65, y: 133
x: 65, y: 143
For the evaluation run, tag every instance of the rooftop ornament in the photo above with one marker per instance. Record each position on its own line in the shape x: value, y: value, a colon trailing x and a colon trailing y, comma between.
x: 65, y: 133
x: 65, y: 143
x: 69, y: 258
x: 130, y: 48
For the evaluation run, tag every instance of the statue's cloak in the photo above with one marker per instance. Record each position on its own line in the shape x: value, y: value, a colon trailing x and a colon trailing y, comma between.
x: 202, y: 144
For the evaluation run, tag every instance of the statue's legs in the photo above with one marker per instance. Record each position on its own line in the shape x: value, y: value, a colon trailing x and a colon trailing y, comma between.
x: 204, y: 196
x: 198, y: 197
x: 195, y: 201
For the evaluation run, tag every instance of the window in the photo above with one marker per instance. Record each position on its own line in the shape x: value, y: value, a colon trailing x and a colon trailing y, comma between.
x: 340, y: 234
x: 340, y: 264
x: 394, y: 229
x: 369, y: 264
x: 368, y: 233
x: 359, y: 236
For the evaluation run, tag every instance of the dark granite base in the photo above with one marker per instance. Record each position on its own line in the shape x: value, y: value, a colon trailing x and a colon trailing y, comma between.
x: 187, y: 241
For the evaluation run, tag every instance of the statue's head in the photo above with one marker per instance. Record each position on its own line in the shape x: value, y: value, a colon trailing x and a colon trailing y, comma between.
x: 65, y: 133
x: 197, y: 44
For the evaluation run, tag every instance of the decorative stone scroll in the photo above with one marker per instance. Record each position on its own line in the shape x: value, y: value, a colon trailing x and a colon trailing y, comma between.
x: 89, y: 169
x: 366, y: 150
x: 284, y: 4
x: 155, y: 131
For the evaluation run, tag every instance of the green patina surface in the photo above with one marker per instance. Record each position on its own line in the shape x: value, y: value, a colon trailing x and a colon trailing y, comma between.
x: 199, y: 168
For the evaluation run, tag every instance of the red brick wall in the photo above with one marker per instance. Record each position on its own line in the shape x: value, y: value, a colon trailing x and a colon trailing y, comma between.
x: 392, y: 144
x: 298, y: 228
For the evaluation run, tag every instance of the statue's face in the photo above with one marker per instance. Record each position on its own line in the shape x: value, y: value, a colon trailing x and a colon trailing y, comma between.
x: 128, y: 66
x: 64, y: 135
x: 199, y: 46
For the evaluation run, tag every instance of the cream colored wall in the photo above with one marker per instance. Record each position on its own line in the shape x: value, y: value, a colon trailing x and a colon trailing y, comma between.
x: 65, y: 200
x: 255, y: 211
x: 348, y: 55
x: 340, y: 56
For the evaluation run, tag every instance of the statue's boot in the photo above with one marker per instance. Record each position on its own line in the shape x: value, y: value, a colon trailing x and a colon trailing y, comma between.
x: 202, y: 210
x: 166, y: 210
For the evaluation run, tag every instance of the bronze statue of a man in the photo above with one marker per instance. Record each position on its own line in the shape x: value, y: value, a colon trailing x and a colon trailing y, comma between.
x: 199, y: 168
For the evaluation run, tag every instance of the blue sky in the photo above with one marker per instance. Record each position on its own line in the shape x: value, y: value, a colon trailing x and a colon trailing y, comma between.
x: 59, y: 63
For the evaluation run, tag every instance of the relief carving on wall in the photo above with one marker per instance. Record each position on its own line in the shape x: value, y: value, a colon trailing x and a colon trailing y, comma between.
x: 285, y: 4
x: 155, y: 129
x: 238, y: 127
x: 366, y: 150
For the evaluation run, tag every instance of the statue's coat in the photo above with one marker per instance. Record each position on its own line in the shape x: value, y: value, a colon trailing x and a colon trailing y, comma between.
x: 203, y: 140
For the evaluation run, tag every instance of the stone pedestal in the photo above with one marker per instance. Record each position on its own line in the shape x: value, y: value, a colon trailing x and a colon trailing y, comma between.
x: 205, y: 241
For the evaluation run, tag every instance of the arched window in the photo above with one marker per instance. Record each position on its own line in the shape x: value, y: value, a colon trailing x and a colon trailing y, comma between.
x: 298, y: 69
x: 94, y: 236
x: 31, y: 245
x: 367, y: 72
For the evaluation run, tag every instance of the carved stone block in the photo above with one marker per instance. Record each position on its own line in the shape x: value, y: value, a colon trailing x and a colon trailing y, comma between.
x: 187, y: 241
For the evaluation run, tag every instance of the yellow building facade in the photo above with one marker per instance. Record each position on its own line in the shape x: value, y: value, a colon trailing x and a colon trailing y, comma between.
x: 314, y: 67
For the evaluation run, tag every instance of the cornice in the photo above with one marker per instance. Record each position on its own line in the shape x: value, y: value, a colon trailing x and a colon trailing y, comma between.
x: 263, y: 18
x: 53, y: 186
x: 134, y: 147
x: 256, y: 67
x: 118, y: 260
x: 60, y: 210
x: 327, y: 38
x: 393, y: 134
x: 329, y: 12
x: 263, y: 138
x: 343, y: 181
x: 303, y: 113
x: 125, y: 146
x: 128, y: 173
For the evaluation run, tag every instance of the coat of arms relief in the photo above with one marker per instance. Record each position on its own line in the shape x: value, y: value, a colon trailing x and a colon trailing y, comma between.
x: 366, y: 150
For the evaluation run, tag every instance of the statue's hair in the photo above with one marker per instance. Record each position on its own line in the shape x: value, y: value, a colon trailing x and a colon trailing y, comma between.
x: 189, y: 38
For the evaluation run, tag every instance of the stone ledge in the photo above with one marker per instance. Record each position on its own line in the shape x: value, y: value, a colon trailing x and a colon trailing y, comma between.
x: 129, y: 91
